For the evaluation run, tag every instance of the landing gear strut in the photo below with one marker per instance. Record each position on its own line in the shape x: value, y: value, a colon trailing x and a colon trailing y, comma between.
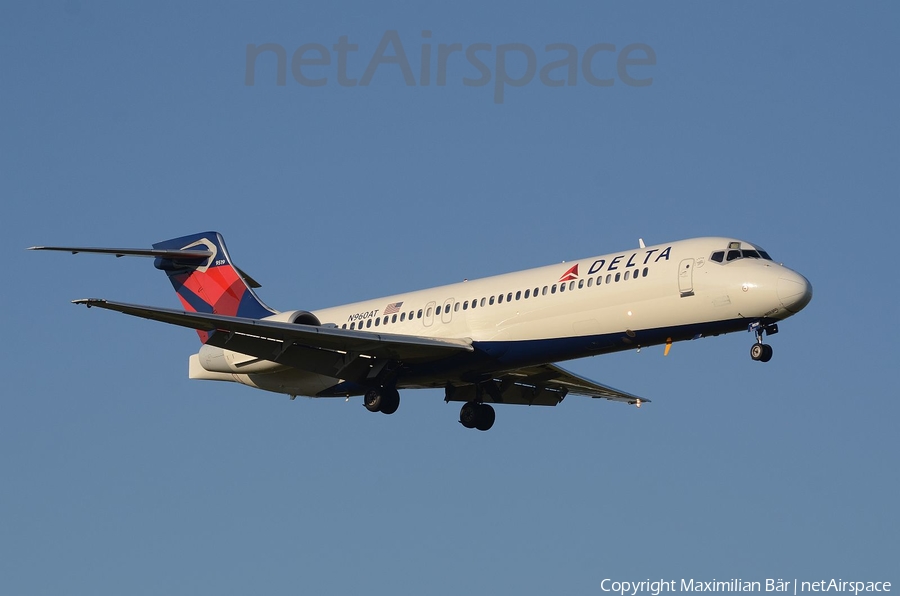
x: 382, y: 399
x: 476, y: 415
x: 761, y: 352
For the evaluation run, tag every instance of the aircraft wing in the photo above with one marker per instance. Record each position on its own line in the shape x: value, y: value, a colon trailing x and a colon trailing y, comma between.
x: 335, y: 352
x: 271, y: 339
x: 552, y: 375
x: 539, y: 385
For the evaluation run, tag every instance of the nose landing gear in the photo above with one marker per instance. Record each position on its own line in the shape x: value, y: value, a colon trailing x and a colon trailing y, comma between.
x: 759, y: 351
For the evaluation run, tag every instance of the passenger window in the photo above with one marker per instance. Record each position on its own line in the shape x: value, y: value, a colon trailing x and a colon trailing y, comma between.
x: 562, y: 287
x: 553, y: 289
x: 544, y: 291
x: 466, y: 305
x: 527, y: 292
x: 402, y: 317
x: 646, y: 270
x: 580, y: 283
x: 394, y: 319
x: 420, y: 314
x: 482, y: 302
x: 428, y: 312
x: 718, y: 256
x: 627, y: 274
x: 608, y: 277
x: 509, y: 297
x: 491, y: 300
x: 368, y: 323
x: 535, y: 293
x: 572, y: 285
x: 456, y: 307
x: 618, y: 276
x: 377, y: 321
x: 500, y: 299
x: 590, y: 281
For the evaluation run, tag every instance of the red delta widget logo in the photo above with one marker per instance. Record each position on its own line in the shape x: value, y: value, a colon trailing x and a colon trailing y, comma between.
x: 614, y: 263
x: 569, y: 275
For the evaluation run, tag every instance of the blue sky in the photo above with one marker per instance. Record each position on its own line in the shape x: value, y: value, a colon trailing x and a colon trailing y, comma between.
x: 126, y: 125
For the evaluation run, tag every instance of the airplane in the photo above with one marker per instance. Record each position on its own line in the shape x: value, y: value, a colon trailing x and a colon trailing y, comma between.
x: 485, y: 341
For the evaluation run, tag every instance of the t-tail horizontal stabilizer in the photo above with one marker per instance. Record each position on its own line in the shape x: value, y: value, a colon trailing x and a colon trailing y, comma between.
x: 200, y: 269
x: 180, y: 255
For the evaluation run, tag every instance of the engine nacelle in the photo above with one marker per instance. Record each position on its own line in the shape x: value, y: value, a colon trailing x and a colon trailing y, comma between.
x: 220, y: 360
x: 300, y: 317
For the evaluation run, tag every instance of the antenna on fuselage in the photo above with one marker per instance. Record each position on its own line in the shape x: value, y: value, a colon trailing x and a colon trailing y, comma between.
x: 641, y: 242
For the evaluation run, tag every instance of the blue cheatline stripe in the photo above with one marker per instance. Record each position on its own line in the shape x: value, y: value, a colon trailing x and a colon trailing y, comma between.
x: 566, y: 348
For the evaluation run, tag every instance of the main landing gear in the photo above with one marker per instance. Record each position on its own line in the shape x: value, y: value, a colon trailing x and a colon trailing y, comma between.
x: 382, y: 399
x: 387, y: 399
x: 759, y: 351
x: 476, y: 415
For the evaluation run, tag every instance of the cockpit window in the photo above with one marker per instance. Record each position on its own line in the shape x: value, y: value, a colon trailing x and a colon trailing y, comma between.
x: 734, y: 253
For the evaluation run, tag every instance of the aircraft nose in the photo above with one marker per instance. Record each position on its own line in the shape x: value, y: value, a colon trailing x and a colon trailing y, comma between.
x: 794, y: 291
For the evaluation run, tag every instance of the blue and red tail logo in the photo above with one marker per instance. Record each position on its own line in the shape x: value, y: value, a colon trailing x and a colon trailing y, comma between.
x: 211, y: 285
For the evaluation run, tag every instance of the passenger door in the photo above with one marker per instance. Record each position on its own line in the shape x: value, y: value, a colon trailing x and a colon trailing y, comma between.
x: 686, y: 278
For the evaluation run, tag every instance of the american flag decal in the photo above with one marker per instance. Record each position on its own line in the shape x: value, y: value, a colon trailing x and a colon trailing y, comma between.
x: 392, y: 308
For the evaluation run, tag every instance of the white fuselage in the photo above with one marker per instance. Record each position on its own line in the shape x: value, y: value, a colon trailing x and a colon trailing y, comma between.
x: 639, y: 297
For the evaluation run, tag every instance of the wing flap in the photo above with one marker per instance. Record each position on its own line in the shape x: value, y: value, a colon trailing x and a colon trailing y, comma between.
x: 558, y: 377
x: 540, y: 385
